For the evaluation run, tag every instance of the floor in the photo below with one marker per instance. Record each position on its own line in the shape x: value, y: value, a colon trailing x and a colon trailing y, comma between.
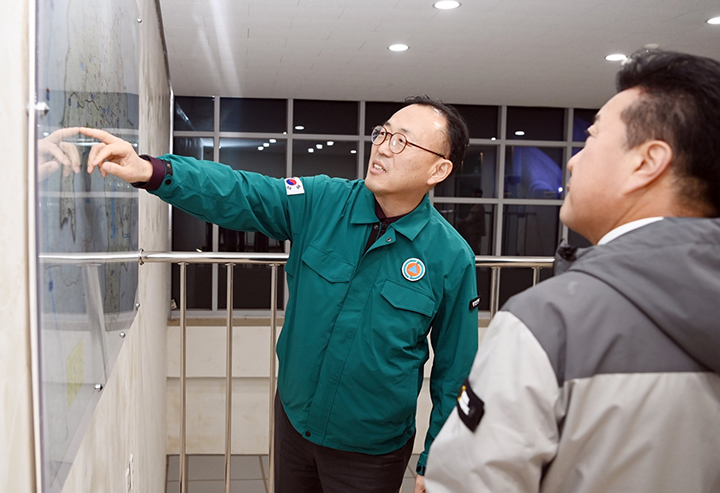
x: 248, y: 474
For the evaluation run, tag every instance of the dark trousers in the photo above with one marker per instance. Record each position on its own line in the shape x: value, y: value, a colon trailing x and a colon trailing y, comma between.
x: 304, y: 467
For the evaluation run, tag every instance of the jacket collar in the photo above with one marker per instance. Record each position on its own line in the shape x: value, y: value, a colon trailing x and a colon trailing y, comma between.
x: 410, y: 225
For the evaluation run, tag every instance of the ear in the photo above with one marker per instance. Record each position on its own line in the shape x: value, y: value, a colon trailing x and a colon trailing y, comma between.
x: 440, y: 170
x: 654, y: 158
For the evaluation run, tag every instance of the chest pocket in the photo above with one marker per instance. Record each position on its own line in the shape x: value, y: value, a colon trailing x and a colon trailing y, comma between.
x: 329, y: 267
x: 407, y: 298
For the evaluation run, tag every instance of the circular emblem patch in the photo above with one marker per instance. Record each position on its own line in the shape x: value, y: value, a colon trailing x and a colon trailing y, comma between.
x: 413, y: 269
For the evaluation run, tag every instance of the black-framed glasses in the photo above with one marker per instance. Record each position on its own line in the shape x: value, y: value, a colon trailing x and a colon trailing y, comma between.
x: 397, y: 141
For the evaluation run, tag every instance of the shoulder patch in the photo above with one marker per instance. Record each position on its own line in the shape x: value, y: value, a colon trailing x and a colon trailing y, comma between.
x: 470, y: 407
x: 293, y: 186
x: 474, y: 303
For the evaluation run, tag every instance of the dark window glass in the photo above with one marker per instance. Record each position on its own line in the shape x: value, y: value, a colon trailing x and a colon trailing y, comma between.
x: 535, y: 123
x: 199, y: 148
x: 315, y: 157
x: 483, y: 275
x: 253, y: 115
x: 533, y: 172
x: 378, y: 113
x: 246, y: 155
x: 251, y: 287
x: 516, y: 280
x: 325, y: 117
x: 582, y: 119
x: 474, y: 222
x: 530, y: 230
x: 192, y: 113
x: 476, y: 176
x: 190, y: 234
x: 482, y: 121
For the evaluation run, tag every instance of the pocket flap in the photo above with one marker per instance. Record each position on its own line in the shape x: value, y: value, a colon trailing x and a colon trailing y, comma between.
x: 331, y: 268
x: 407, y: 298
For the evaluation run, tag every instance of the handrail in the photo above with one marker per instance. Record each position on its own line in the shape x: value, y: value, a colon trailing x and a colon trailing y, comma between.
x: 230, y: 259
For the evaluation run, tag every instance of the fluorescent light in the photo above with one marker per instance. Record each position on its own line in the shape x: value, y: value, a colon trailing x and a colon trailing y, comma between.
x: 319, y: 146
x: 519, y: 133
x: 714, y: 20
x: 446, y: 5
x: 615, y: 57
x: 299, y: 127
x: 330, y: 142
x: 398, y: 47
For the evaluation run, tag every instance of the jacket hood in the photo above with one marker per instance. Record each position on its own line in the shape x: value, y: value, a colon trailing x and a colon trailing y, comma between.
x: 670, y: 270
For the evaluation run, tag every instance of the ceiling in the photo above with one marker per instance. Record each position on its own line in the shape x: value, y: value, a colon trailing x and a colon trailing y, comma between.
x: 516, y: 52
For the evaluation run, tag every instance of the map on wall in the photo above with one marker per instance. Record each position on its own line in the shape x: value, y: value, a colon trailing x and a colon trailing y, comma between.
x: 87, y: 75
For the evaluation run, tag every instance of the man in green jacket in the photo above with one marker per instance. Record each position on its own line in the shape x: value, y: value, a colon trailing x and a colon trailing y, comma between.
x: 373, y: 270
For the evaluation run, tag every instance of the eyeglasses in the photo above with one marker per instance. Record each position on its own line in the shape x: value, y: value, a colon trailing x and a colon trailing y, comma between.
x: 397, y: 141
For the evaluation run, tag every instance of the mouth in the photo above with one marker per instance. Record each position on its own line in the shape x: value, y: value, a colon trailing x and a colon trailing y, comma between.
x: 377, y: 168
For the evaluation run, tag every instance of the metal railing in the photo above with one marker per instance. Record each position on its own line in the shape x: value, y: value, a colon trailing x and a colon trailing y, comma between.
x: 273, y: 260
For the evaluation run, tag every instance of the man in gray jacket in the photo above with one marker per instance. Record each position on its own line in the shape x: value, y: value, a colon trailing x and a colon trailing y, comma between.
x: 605, y: 377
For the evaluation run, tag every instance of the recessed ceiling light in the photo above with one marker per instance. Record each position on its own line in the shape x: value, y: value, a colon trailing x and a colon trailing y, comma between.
x: 266, y: 144
x: 311, y: 150
x: 446, y: 5
x: 319, y: 146
x: 330, y: 142
x: 353, y: 151
x: 615, y: 57
x: 261, y: 148
x: 299, y: 127
x: 519, y: 133
x: 714, y: 20
x: 398, y: 47
x: 272, y: 141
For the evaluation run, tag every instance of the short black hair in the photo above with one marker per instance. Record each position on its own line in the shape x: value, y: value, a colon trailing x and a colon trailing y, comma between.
x: 679, y: 104
x: 455, y: 128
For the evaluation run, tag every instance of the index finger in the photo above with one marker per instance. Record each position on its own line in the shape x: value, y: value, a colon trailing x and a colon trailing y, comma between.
x: 100, y: 135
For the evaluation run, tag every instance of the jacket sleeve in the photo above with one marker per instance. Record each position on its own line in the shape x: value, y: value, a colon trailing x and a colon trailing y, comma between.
x: 237, y: 200
x: 454, y: 338
x: 518, y: 432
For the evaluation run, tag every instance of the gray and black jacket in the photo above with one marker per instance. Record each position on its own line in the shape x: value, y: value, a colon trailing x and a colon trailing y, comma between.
x: 604, y: 378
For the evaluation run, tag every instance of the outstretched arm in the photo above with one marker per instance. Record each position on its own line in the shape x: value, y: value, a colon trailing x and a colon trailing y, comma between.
x: 116, y: 157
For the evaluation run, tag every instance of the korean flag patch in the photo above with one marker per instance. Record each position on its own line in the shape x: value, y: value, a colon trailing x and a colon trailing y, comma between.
x: 470, y: 407
x: 293, y: 186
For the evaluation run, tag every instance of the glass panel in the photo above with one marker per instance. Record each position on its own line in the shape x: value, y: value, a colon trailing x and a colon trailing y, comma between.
x: 325, y: 117
x: 251, y: 287
x: 199, y: 286
x: 379, y: 113
x: 482, y: 121
x: 199, y: 148
x: 476, y: 177
x: 330, y: 158
x: 253, y: 115
x: 474, y: 222
x: 193, y: 113
x: 483, y: 287
x: 533, y: 172
x: 190, y: 234
x: 266, y: 156
x: 582, y: 119
x: 530, y: 230
x: 535, y: 123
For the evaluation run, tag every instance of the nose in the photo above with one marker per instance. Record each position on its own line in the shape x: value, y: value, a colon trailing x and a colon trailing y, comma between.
x: 384, y: 148
x: 571, y: 163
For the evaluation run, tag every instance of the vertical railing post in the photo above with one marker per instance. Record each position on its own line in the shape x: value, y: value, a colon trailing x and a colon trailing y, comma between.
x: 228, y: 378
x: 273, y: 338
x: 494, y: 290
x: 536, y: 275
x: 183, y: 352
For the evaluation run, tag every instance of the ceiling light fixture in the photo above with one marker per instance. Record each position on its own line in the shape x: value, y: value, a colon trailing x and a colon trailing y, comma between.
x: 272, y: 141
x: 519, y: 133
x: 615, y: 57
x: 299, y: 127
x: 398, y: 47
x: 330, y: 142
x: 714, y: 20
x: 446, y: 5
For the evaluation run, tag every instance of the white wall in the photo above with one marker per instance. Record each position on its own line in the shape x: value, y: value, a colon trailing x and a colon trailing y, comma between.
x: 16, y: 429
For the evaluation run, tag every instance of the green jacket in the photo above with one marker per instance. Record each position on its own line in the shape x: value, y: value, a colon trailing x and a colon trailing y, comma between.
x: 354, y: 342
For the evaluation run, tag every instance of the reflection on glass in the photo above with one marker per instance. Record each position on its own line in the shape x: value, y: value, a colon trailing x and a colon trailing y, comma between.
x: 257, y: 155
x: 194, y: 113
x: 199, y: 148
x: 535, y: 123
x: 320, y: 157
x: 475, y: 177
x: 253, y: 115
x: 582, y: 119
x: 530, y: 230
x: 87, y: 76
x: 533, y: 172
x: 325, y: 117
x: 474, y: 222
x: 482, y: 121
